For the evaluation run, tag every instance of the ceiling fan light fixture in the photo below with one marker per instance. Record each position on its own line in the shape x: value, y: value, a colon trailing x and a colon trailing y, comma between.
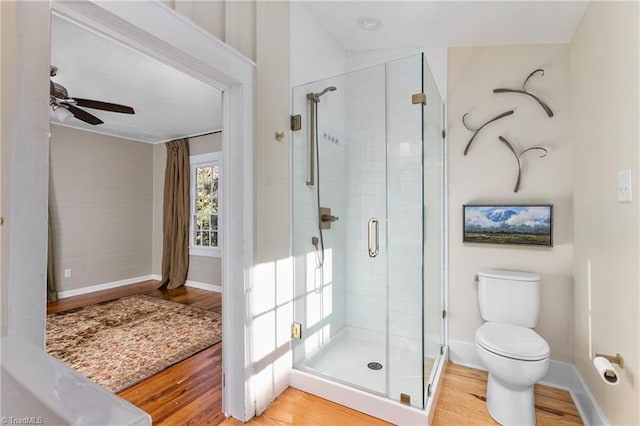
x: 61, y: 113
x: 369, y: 24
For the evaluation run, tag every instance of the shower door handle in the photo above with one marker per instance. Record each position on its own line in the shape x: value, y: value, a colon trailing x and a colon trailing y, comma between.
x: 373, y: 222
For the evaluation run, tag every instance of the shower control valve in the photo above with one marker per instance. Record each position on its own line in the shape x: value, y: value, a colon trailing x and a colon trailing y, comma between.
x: 329, y: 218
x: 326, y: 218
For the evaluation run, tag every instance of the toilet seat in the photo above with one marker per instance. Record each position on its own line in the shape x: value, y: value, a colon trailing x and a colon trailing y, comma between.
x: 512, y: 341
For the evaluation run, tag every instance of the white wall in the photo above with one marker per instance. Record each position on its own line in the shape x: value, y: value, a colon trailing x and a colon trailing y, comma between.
x: 315, y: 55
x: 25, y: 121
x: 7, y: 27
x: 270, y: 312
x: 233, y: 22
x: 487, y: 175
x: 261, y: 31
x: 605, y: 71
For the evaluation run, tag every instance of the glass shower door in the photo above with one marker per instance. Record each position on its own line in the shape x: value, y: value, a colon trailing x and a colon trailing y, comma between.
x: 340, y: 275
x: 406, y: 229
x: 368, y: 273
x: 433, y: 160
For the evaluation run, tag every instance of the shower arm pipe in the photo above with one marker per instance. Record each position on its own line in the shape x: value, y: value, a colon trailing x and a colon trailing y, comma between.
x: 312, y: 141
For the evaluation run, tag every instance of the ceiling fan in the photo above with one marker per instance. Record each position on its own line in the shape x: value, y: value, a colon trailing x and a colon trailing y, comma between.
x: 64, y: 106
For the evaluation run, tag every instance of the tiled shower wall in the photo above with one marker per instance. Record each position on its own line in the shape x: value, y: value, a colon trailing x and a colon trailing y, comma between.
x: 366, y: 189
x: 370, y: 137
x: 320, y: 301
x: 404, y: 192
x: 384, y: 174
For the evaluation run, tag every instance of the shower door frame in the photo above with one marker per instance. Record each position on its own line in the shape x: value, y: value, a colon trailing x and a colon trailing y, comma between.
x: 442, y: 337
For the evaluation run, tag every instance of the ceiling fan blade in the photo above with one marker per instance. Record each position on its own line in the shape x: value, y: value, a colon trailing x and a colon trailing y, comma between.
x: 105, y: 106
x: 84, y: 115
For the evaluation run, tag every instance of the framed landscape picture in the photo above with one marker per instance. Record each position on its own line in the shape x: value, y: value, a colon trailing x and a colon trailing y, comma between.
x: 508, y: 224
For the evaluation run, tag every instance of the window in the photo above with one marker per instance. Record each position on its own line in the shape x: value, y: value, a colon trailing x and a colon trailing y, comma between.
x: 205, y: 227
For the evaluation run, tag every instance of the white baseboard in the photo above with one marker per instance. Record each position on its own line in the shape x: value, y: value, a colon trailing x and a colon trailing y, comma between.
x: 365, y: 402
x: 106, y: 286
x: 204, y: 286
x: 98, y: 287
x: 562, y: 375
x: 195, y: 284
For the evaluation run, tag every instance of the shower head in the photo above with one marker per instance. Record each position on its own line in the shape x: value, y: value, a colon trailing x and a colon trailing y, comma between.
x: 315, y: 97
x: 328, y: 89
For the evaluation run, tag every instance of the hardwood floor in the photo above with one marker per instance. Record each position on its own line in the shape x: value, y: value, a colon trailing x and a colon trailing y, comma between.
x: 190, y: 392
x: 295, y: 407
x: 463, y: 393
x: 461, y: 402
x: 187, y: 393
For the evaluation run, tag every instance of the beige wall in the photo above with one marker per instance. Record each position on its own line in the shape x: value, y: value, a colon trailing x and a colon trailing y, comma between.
x: 101, y: 200
x: 605, y: 72
x: 207, y: 270
x: 487, y: 175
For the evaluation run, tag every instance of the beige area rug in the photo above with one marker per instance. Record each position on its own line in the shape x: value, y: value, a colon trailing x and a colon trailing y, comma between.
x: 122, y: 342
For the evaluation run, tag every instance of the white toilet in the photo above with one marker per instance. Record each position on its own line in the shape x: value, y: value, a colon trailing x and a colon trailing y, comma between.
x: 516, y: 357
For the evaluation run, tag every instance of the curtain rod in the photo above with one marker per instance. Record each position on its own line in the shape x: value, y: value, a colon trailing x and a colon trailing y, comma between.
x: 190, y: 136
x: 204, y: 134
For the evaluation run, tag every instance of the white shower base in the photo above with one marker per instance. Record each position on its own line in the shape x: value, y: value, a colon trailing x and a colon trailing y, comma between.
x: 339, y: 373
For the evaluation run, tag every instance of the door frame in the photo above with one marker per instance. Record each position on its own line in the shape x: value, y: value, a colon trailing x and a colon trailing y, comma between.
x: 158, y: 31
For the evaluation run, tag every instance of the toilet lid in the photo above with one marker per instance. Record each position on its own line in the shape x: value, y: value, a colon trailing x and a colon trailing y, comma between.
x: 512, y: 341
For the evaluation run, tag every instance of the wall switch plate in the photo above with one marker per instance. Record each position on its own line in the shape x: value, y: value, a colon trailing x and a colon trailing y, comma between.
x: 67, y: 273
x: 625, y: 189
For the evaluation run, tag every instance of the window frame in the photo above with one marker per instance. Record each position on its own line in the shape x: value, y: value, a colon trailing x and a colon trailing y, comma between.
x: 214, y: 159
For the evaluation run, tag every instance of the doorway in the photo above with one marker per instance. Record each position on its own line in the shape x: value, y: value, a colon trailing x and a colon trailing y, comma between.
x: 160, y: 33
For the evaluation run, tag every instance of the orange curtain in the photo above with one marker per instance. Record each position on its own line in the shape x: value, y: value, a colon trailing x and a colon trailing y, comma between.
x: 175, y: 221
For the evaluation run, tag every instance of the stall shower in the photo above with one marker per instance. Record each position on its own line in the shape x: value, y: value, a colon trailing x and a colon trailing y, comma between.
x: 368, y: 230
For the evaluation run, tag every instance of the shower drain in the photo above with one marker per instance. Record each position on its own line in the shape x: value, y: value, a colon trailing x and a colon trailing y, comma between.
x: 375, y: 366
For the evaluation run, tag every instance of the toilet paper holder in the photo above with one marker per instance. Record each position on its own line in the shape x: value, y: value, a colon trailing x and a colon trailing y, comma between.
x: 613, y: 359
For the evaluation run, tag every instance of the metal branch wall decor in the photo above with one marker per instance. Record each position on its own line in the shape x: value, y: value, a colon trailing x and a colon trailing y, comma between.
x: 518, y: 156
x: 502, y: 139
x: 524, y: 92
x: 464, y: 121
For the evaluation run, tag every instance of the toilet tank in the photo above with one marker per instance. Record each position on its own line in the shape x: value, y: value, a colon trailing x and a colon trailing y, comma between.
x: 509, y: 297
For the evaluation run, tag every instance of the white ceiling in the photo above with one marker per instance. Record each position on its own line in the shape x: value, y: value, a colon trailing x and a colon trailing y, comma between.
x: 430, y: 24
x: 168, y: 103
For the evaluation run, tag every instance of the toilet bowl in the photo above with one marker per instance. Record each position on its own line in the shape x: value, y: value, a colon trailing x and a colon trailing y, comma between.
x: 516, y: 358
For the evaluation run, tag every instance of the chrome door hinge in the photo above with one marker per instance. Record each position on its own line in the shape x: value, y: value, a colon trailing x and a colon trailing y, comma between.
x: 296, y: 330
x: 444, y: 314
x: 444, y: 134
x: 419, y: 98
x: 441, y: 349
x: 296, y: 122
